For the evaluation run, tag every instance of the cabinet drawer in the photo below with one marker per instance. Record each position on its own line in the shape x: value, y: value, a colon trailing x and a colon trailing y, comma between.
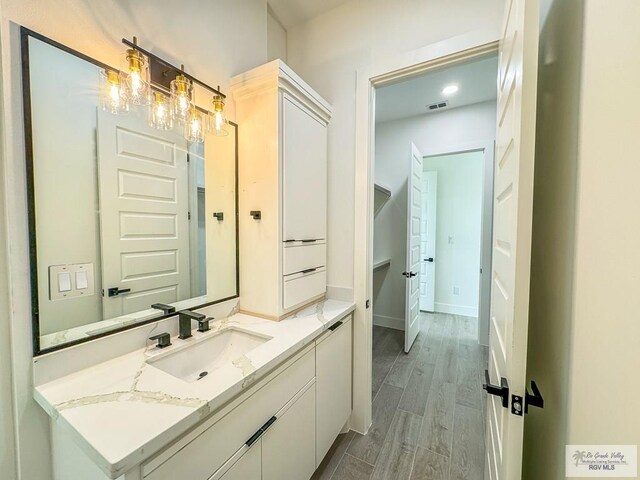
x: 200, y: 458
x: 301, y: 256
x: 301, y: 287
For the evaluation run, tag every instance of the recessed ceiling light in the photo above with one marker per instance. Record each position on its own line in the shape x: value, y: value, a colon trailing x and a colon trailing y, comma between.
x: 449, y: 89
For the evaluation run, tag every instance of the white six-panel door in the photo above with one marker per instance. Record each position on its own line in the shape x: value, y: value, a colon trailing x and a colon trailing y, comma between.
x: 513, y: 202
x: 143, y: 184
x: 412, y: 270
x: 428, y: 241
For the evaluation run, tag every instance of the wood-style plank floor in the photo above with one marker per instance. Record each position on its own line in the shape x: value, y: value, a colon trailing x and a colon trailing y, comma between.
x: 428, y: 420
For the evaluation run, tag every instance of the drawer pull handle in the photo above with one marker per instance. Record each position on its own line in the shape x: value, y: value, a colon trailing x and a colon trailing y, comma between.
x: 254, y: 438
x: 308, y: 241
x: 309, y: 270
x: 335, y: 325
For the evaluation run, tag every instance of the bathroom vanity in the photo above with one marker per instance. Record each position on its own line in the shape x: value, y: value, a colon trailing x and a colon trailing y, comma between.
x: 275, y: 397
x: 182, y: 220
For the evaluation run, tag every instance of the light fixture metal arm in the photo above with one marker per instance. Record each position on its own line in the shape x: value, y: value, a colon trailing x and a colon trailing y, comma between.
x: 135, y: 46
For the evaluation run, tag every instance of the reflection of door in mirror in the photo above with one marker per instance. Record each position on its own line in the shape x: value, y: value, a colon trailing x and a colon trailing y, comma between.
x: 144, y: 220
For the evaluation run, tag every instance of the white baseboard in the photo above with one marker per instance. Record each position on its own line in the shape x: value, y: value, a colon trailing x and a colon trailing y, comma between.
x: 456, y: 309
x: 344, y: 294
x: 389, y: 322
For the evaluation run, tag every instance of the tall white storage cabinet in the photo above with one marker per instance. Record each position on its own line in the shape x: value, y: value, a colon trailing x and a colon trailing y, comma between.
x: 282, y: 156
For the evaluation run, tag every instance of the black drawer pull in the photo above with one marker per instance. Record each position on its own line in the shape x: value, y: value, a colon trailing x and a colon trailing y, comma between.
x: 309, y: 270
x: 254, y: 438
x: 308, y: 241
x: 335, y: 325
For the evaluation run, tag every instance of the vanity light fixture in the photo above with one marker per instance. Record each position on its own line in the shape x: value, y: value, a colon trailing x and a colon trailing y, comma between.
x: 160, y: 111
x: 169, y: 92
x: 194, y: 126
x: 137, y: 80
x: 113, y: 97
x: 217, y: 119
x: 181, y: 97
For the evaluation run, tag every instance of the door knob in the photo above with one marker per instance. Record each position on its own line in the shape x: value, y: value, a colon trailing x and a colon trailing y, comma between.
x: 409, y: 274
x: 501, y: 391
x: 430, y: 259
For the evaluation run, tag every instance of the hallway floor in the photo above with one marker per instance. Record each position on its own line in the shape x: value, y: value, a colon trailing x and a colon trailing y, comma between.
x: 428, y: 408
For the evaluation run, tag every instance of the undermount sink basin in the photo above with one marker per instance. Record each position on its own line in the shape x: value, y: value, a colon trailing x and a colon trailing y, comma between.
x: 197, y: 361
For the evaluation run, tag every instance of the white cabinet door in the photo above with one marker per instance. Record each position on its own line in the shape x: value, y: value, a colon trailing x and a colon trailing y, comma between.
x: 289, y: 446
x: 305, y: 173
x: 333, y: 386
x: 248, y: 467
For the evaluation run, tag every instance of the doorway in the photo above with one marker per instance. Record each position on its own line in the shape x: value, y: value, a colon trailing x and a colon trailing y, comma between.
x: 433, y: 382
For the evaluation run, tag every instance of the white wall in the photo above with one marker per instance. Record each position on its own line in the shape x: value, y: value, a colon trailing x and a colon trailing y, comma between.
x: 215, y: 40
x: 327, y: 52
x: 276, y: 38
x: 458, y: 231
x: 583, y: 328
x: 7, y: 437
x: 439, y: 132
x: 65, y: 179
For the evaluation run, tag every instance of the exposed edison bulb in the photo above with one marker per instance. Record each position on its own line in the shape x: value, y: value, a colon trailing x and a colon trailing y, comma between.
x: 194, y: 126
x: 181, y: 97
x: 113, y: 97
x: 217, y: 119
x: 138, y: 82
x: 160, y: 112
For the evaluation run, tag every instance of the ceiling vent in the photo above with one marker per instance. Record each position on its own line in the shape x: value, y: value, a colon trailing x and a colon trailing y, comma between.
x: 438, y: 105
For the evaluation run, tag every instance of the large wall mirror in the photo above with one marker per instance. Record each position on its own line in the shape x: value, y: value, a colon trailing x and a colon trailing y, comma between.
x: 122, y: 216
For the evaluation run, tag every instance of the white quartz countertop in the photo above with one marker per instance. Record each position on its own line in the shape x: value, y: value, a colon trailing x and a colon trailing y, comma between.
x: 122, y: 411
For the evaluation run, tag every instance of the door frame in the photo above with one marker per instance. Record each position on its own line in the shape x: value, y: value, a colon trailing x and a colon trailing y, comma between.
x: 378, y: 74
x: 487, y: 147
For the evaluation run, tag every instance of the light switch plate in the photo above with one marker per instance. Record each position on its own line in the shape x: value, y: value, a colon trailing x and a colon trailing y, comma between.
x: 80, y: 277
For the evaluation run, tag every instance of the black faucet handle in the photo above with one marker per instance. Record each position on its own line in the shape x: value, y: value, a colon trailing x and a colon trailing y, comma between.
x: 167, y: 309
x: 192, y: 315
x: 203, y: 324
x: 164, y: 339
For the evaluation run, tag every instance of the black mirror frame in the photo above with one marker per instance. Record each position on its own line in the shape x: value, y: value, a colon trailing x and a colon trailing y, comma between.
x: 25, y: 33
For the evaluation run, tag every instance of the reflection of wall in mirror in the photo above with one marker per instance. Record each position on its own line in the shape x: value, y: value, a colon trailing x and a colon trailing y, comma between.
x: 220, y: 171
x: 64, y: 98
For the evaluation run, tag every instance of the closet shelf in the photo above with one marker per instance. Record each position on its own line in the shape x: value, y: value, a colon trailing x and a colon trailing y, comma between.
x: 380, y: 196
x: 380, y: 189
x: 381, y: 264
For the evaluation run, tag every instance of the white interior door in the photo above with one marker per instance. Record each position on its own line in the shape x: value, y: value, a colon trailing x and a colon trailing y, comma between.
x: 513, y: 202
x: 428, y: 241
x: 412, y: 271
x: 143, y: 184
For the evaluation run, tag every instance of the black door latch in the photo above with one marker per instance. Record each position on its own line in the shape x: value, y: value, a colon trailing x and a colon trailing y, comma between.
x: 499, y: 391
x: 409, y: 274
x: 115, y: 291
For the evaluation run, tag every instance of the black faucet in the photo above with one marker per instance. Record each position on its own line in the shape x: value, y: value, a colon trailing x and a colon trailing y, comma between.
x: 167, y: 309
x: 185, y: 317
